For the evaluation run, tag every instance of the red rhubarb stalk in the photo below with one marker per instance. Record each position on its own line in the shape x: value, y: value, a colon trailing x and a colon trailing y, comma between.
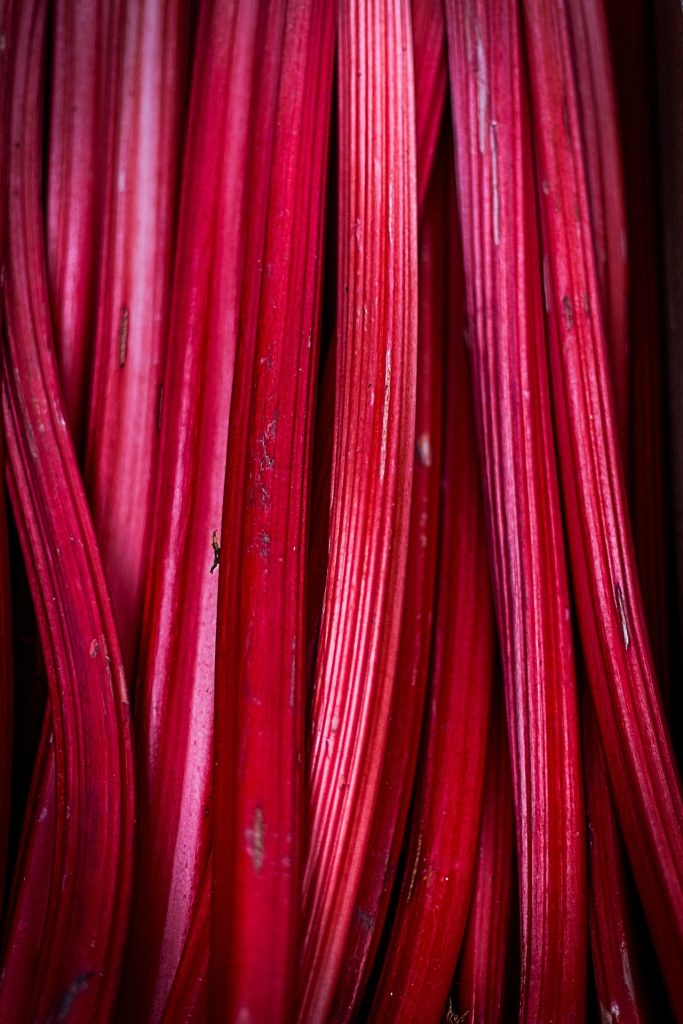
x: 75, y: 966
x: 512, y: 393
x: 133, y: 301
x: 227, y: 145
x: 400, y: 760
x: 372, y: 462
x: 84, y: 64
x: 643, y: 776
x: 431, y: 83
x: 431, y: 911
x: 480, y: 989
x: 259, y: 772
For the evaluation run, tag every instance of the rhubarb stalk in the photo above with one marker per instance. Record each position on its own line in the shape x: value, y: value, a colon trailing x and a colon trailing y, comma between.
x: 372, y: 461
x: 75, y: 965
x: 526, y: 544
x: 261, y: 645
x: 643, y: 776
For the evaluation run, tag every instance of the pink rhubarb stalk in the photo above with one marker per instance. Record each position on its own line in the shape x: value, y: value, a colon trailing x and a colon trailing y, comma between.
x: 133, y: 301
x: 175, y: 702
x: 512, y: 391
x: 372, y: 461
x: 259, y: 774
x: 74, y: 967
x: 84, y: 66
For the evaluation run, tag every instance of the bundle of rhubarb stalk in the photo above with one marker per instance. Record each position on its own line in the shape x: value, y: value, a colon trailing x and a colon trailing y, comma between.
x: 342, y: 536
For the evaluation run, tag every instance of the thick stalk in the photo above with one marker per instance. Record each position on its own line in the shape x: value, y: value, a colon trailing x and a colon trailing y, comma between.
x: 512, y: 395
x: 376, y: 358
x: 259, y: 801
x: 75, y: 966
x: 643, y: 776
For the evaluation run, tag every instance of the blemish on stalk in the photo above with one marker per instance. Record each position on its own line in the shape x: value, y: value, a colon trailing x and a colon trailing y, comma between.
x: 586, y: 304
x: 255, y: 837
x: 545, y: 185
x: 263, y: 541
x: 94, y: 649
x: 567, y: 313
x: 494, y: 183
x: 265, y: 440
x: 423, y: 448
x: 621, y: 604
x: 123, y: 335
x: 366, y: 919
x: 385, y: 415
x: 160, y: 407
x: 216, y: 551
x: 416, y: 864
x: 482, y: 88
x: 546, y: 283
x: 77, y: 986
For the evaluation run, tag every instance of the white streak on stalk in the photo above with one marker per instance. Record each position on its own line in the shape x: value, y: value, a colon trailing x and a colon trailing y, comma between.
x: 494, y: 183
x: 482, y: 89
x: 385, y: 415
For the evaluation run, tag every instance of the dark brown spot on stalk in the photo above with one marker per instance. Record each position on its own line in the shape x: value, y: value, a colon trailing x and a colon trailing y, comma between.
x: 567, y: 312
x: 216, y: 551
x: 123, y: 335
x: 367, y: 920
x: 255, y: 837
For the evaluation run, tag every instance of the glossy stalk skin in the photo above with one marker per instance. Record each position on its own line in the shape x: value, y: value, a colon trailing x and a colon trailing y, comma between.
x: 74, y: 968
x: 601, y: 151
x: 400, y: 759
x: 431, y: 911
x: 187, y: 1000
x: 512, y: 395
x: 480, y: 989
x: 133, y: 301
x: 175, y: 697
x: 614, y: 953
x: 618, y: 978
x: 259, y: 799
x: 374, y: 435
x: 83, y: 73
x: 643, y: 776
x: 431, y: 84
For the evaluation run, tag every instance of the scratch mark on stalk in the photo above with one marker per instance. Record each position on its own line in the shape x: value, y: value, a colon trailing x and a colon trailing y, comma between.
x: 385, y: 415
x: 624, y: 620
x: 123, y: 335
x: 255, y: 837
